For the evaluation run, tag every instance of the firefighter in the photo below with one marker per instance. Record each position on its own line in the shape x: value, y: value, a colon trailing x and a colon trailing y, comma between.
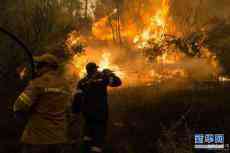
x: 94, y: 107
x: 44, y: 102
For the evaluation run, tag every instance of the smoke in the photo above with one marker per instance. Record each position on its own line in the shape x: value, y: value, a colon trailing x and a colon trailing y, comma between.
x: 130, y: 63
x: 91, y: 7
x: 136, y: 70
x: 192, y: 15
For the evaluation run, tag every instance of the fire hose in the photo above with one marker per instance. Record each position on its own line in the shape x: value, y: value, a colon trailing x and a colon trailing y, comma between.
x: 25, y: 48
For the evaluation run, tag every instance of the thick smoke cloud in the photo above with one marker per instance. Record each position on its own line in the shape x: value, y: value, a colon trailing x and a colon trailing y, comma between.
x: 192, y: 15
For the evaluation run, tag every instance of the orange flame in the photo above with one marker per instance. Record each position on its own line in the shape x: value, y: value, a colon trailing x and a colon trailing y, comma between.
x: 104, y: 61
x: 155, y: 26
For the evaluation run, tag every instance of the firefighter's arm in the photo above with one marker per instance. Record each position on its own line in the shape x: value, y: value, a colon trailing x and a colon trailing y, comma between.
x: 92, y: 81
x: 77, y: 99
x: 114, y: 81
x: 26, y: 99
x: 79, y: 89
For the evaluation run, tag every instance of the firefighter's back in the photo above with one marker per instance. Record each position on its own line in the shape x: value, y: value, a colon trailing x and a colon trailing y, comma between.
x: 47, y: 121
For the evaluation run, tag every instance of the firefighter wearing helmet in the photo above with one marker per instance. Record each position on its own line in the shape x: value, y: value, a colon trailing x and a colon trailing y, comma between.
x: 91, y: 100
x: 43, y: 103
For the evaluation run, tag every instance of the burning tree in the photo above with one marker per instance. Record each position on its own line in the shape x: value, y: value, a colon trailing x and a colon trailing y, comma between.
x: 148, y: 37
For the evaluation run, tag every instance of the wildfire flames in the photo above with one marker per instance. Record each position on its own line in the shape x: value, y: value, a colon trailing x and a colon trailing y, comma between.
x: 171, y: 64
x: 104, y: 62
x: 156, y: 28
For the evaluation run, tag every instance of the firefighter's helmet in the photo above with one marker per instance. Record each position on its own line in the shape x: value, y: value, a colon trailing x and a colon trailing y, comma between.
x: 46, y: 60
x: 91, y: 66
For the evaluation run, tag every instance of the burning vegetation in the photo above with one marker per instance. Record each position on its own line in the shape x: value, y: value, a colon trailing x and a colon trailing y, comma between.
x: 144, y: 49
x: 153, y: 45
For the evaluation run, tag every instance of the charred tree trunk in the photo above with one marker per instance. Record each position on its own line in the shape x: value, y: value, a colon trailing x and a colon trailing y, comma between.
x: 112, y: 28
x: 86, y: 8
x: 119, y: 29
x: 118, y: 24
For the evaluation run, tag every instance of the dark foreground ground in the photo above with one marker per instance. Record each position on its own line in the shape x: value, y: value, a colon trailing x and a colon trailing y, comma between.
x: 152, y: 119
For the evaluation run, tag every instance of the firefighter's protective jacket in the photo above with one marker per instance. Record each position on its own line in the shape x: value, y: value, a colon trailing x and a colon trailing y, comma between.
x: 94, y: 90
x: 45, y: 99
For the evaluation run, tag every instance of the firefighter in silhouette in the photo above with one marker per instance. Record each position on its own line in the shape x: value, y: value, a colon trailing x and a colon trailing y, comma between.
x: 43, y: 103
x: 92, y: 94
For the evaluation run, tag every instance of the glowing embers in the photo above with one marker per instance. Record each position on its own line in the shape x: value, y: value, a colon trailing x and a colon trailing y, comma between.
x: 224, y: 78
x: 167, y: 67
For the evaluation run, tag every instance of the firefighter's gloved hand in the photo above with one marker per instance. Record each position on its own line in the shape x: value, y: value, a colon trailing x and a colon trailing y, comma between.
x: 108, y: 72
x: 111, y: 80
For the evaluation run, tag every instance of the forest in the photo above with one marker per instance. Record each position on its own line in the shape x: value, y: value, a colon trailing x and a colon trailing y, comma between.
x: 172, y: 56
